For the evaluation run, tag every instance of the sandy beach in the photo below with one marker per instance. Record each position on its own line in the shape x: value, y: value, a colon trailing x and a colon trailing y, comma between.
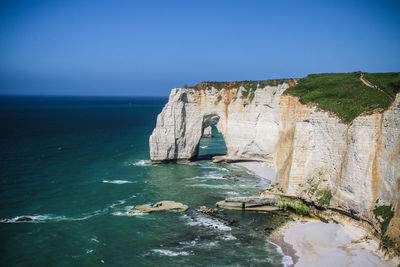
x: 258, y: 168
x: 312, y: 243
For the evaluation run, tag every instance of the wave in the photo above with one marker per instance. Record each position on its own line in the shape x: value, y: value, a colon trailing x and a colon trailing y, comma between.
x: 127, y: 212
x: 46, y: 218
x: 232, y: 193
x: 212, y: 224
x: 33, y: 218
x: 141, y: 162
x: 205, y: 221
x: 218, y: 186
x: 117, y: 182
x: 43, y: 218
x: 170, y: 253
x: 212, y: 167
x: 286, y: 260
x: 228, y: 237
x: 210, y: 176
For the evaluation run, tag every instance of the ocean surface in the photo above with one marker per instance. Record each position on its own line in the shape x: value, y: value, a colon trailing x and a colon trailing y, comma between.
x: 75, y: 166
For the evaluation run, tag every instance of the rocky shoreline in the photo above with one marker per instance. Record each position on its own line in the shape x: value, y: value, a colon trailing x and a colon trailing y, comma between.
x: 306, y: 239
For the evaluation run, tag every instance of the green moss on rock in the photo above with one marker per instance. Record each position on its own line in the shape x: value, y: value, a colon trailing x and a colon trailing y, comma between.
x: 384, y: 214
x: 325, y: 199
x: 296, y: 206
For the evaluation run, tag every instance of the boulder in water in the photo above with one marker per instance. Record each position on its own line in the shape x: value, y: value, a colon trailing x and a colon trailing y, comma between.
x: 24, y: 219
x: 165, y: 205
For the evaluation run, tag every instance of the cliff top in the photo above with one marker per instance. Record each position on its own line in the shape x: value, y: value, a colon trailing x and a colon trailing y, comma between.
x: 252, y: 85
x: 345, y: 94
x: 249, y: 86
x: 348, y: 94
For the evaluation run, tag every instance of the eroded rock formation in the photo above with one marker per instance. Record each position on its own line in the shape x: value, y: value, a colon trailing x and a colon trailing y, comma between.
x: 354, y: 167
x: 249, y: 126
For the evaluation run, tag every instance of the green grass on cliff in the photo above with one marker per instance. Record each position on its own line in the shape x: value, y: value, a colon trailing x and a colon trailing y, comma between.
x: 344, y: 94
x: 388, y: 82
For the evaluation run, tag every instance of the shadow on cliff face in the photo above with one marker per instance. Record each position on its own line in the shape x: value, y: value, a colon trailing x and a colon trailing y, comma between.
x: 211, y: 146
x: 208, y: 156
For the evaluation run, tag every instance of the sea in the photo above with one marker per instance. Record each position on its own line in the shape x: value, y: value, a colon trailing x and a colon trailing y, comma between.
x: 73, y: 167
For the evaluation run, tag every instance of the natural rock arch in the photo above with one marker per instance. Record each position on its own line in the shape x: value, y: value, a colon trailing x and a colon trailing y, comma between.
x: 250, y: 132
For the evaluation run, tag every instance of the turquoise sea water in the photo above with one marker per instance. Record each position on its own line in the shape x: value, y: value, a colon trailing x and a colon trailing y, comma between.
x: 76, y: 167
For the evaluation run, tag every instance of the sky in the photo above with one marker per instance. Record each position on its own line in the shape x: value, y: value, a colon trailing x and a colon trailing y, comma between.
x: 146, y: 48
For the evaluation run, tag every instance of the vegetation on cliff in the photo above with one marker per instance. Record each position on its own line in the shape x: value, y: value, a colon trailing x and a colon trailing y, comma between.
x: 249, y: 86
x: 296, y: 206
x: 384, y: 215
x: 388, y: 82
x: 325, y: 199
x: 252, y: 85
x: 345, y: 94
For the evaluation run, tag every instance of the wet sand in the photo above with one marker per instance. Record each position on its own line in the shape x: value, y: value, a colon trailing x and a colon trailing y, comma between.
x: 258, y: 168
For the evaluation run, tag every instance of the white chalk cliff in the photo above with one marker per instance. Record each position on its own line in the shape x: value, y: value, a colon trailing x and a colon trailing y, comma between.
x: 312, y: 150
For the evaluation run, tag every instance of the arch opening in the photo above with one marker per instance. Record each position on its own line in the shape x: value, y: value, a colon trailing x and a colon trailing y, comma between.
x: 212, y: 142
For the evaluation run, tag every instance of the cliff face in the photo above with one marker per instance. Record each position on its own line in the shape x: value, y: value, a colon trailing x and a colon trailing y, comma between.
x: 315, y: 155
x: 250, y: 127
x: 358, y: 164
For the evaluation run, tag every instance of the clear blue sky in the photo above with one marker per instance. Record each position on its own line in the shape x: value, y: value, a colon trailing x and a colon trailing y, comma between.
x: 149, y: 47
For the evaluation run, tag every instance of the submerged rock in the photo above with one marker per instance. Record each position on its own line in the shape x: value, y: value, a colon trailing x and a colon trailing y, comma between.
x: 24, y: 219
x: 165, y: 205
x: 205, y: 210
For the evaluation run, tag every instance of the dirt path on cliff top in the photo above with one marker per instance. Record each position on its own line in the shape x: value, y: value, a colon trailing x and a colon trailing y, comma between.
x: 369, y: 84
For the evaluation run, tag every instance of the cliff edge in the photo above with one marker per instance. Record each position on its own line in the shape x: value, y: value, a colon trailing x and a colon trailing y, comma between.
x: 342, y: 157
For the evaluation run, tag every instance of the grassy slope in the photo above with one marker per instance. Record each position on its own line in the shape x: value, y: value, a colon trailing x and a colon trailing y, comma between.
x: 344, y: 94
x: 389, y: 82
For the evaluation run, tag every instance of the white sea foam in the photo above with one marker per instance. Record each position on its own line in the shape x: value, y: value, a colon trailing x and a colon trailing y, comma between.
x: 228, y: 237
x: 203, y: 147
x: 33, y: 218
x: 286, y: 260
x: 137, y: 163
x: 211, y: 244
x: 127, y: 212
x: 195, y: 243
x: 116, y: 182
x: 188, y: 244
x: 170, y: 253
x: 41, y: 219
x: 45, y: 218
x: 210, y: 176
x: 218, y: 186
x: 211, y: 167
x: 205, y: 221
